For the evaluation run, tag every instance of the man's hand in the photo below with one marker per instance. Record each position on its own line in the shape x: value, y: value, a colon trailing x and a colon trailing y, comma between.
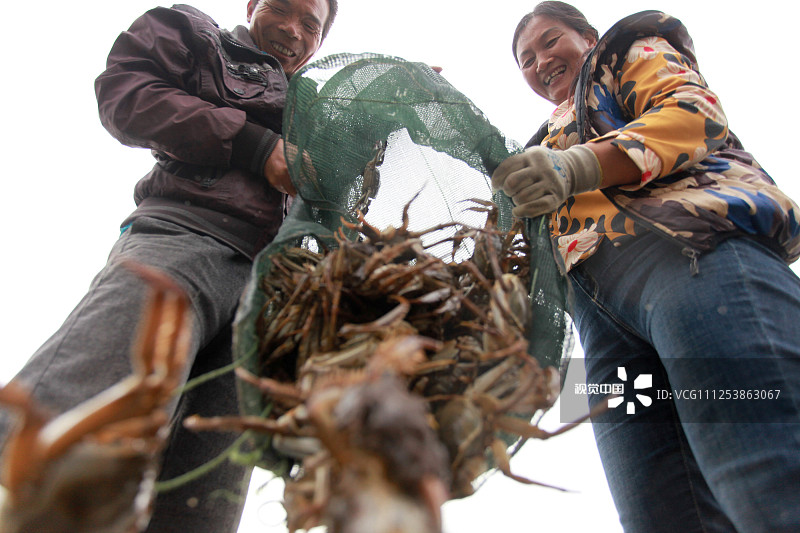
x: 277, y: 172
x: 539, y: 179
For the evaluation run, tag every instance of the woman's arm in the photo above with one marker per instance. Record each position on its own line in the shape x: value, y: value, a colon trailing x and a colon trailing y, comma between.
x: 677, y: 120
x: 617, y: 167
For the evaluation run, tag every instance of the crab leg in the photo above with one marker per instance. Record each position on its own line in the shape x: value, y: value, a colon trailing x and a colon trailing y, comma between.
x: 158, y: 359
x: 18, y: 460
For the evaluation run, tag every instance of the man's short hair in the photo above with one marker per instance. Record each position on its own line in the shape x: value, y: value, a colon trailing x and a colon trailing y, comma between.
x: 333, y: 8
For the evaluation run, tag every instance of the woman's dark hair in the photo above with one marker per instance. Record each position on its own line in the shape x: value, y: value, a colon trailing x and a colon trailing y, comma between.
x: 560, y: 11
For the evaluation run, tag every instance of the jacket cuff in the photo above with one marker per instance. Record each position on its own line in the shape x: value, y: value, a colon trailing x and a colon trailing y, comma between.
x: 252, y: 146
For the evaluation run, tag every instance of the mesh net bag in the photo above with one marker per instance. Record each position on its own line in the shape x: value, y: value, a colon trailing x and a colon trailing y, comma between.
x: 349, y: 115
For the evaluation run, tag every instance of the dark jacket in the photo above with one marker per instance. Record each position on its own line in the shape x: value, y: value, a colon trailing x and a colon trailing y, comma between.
x: 209, y: 105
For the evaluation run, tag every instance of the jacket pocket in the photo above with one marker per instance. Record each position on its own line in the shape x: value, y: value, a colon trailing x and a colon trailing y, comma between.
x: 236, y: 73
x: 243, y: 80
x: 204, y: 176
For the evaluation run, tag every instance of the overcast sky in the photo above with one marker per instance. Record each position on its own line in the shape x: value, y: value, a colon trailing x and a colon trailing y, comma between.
x: 68, y: 184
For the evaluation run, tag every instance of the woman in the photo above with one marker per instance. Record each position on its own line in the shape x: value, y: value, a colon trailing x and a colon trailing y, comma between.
x: 677, y: 245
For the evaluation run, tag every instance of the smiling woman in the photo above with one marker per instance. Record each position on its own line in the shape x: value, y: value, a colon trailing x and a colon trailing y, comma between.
x: 65, y: 193
x: 549, y: 50
x: 677, y: 245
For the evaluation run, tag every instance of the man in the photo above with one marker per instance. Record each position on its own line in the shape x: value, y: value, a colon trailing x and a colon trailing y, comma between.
x: 208, y: 103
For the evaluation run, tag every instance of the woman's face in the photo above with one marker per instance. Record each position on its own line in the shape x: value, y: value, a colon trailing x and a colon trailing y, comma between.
x: 550, y: 55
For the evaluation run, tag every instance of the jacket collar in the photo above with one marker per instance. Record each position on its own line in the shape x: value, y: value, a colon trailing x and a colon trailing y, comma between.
x: 614, y: 44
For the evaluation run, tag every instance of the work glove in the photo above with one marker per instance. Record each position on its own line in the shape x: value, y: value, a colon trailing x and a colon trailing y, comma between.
x: 540, y: 179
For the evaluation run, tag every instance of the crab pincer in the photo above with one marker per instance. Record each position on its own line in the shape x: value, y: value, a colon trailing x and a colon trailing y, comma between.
x: 93, y: 468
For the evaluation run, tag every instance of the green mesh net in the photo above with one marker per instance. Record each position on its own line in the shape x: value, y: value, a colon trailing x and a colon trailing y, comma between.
x: 347, y: 115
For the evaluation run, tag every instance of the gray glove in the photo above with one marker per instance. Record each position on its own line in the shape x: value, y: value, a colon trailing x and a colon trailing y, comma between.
x: 540, y: 179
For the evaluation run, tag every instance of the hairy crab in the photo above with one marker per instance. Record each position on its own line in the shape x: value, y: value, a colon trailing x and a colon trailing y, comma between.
x: 92, y: 468
x: 377, y: 324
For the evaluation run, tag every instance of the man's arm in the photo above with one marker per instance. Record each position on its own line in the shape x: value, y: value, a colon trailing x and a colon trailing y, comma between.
x: 147, y: 98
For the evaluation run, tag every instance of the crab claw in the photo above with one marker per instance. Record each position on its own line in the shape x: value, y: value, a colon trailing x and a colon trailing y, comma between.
x: 92, y: 469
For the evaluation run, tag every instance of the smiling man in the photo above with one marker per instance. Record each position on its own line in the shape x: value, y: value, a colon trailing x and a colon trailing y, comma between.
x: 209, y: 105
x: 292, y: 31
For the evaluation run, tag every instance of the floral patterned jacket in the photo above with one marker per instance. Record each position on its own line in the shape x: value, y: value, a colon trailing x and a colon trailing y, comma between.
x: 641, y: 87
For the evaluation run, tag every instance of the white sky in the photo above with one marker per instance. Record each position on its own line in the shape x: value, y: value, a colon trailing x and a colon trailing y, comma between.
x: 68, y: 184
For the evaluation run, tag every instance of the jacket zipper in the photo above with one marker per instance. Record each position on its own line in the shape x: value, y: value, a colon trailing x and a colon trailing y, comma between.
x: 233, y: 42
x: 581, y: 105
x: 687, y: 249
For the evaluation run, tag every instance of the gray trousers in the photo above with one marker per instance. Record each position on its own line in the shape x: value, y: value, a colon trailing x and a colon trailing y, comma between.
x: 91, y: 351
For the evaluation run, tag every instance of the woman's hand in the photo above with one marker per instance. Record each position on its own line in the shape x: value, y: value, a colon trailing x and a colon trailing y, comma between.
x: 277, y: 172
x: 539, y: 179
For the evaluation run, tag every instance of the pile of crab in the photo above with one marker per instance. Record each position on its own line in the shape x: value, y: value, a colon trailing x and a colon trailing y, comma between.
x: 395, y: 378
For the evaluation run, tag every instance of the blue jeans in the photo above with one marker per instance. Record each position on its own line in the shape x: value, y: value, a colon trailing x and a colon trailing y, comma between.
x: 681, y: 464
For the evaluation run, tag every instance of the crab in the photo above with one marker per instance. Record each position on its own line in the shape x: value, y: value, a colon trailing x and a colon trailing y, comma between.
x: 370, y: 461
x: 93, y: 468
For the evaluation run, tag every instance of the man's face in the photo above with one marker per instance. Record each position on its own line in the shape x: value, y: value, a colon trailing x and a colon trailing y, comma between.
x: 289, y: 30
